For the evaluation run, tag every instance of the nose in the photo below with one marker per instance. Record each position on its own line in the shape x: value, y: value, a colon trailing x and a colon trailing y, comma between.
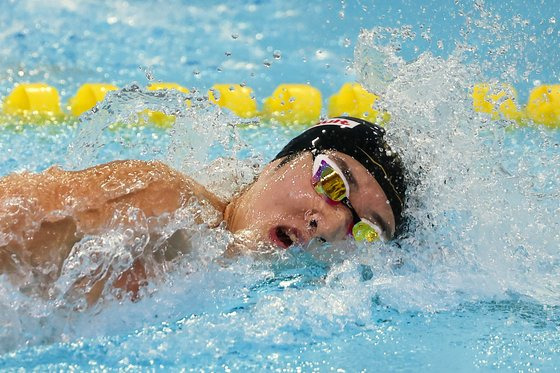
x: 330, y: 222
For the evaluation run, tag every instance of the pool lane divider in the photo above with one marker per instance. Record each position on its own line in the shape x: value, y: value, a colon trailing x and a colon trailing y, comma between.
x: 39, y: 103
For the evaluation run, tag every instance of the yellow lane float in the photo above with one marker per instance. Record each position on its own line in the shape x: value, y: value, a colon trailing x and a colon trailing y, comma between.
x: 544, y: 105
x: 353, y: 100
x: 289, y: 103
x: 235, y: 97
x: 293, y: 103
x: 88, y: 96
x: 498, y: 100
x: 157, y: 117
x: 33, y: 100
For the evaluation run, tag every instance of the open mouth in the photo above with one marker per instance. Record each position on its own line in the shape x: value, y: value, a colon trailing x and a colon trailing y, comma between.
x: 284, y: 236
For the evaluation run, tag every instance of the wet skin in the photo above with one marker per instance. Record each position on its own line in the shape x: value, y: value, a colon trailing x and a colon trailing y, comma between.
x: 43, y: 215
x: 283, y: 208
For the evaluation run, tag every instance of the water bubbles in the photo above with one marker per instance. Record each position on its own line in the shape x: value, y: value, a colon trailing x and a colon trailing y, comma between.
x: 267, y: 63
x: 378, y: 64
x: 549, y: 31
x: 341, y: 14
x: 148, y: 73
x: 321, y: 54
x: 227, y: 53
x: 215, y: 93
x: 440, y: 44
x: 111, y: 20
x: 259, y: 36
x: 406, y: 32
x: 196, y: 73
x: 235, y: 36
x: 346, y: 42
x: 552, y: 20
x: 426, y: 34
x: 277, y: 54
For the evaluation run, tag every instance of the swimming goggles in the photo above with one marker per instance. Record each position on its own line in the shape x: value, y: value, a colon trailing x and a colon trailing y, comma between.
x: 329, y: 182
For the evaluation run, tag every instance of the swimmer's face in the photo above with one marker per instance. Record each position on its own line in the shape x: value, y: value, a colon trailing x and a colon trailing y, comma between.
x: 283, y: 208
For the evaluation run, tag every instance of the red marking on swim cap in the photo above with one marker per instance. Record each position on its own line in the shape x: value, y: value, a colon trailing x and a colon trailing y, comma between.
x: 341, y: 122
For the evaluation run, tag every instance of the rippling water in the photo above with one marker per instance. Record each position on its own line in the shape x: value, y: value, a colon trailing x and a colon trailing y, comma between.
x: 472, y: 284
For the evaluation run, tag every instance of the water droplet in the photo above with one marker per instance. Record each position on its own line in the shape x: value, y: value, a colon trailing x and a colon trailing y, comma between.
x: 440, y: 44
x: 196, y: 73
x: 276, y: 54
x: 215, y: 93
x: 347, y: 42
x: 341, y: 14
x: 235, y: 35
x: 267, y: 63
x: 227, y: 53
x: 552, y: 20
x: 321, y: 54
x: 259, y: 36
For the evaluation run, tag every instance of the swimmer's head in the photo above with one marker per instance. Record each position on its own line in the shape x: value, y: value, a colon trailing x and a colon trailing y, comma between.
x: 364, y: 142
x: 336, y: 176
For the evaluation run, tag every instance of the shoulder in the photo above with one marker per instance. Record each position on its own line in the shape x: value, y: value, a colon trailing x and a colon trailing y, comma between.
x: 133, y: 168
x: 153, y: 180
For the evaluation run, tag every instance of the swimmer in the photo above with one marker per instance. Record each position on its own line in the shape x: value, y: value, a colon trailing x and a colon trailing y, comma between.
x: 337, y: 179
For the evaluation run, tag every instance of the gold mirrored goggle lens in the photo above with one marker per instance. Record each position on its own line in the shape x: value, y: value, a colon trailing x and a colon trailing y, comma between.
x: 328, y: 182
x: 331, y: 184
x: 362, y: 231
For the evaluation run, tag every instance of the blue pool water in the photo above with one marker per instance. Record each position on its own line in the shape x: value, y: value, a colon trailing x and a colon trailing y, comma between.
x: 473, y: 285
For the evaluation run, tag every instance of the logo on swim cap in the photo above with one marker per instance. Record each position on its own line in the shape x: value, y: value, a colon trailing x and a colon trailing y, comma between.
x: 341, y: 122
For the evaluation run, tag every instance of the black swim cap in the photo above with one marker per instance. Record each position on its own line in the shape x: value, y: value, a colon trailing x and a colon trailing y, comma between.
x: 364, y: 142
